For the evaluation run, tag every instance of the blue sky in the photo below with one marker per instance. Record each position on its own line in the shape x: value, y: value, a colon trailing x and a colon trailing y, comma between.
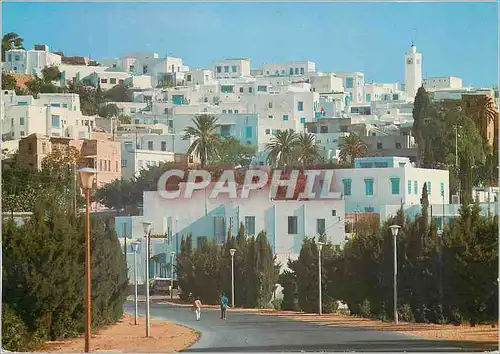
x: 459, y: 39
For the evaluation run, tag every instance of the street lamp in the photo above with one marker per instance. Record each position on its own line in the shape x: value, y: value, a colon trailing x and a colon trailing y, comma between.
x: 440, y: 234
x: 172, y: 255
x: 124, y: 226
x: 395, y: 231
x: 232, y: 251
x: 87, y: 178
x: 135, y: 248
x: 147, y: 232
x: 320, y: 247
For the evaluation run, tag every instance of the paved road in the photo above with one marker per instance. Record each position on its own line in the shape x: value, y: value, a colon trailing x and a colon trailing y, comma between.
x: 247, y: 332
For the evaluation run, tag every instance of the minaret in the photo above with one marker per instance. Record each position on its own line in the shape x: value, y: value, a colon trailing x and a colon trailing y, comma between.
x: 413, y: 72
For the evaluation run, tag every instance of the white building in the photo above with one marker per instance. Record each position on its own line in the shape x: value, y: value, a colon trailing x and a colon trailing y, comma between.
x: 51, y: 114
x: 292, y: 68
x: 232, y: 68
x: 282, y: 111
x: 130, y: 108
x: 199, y: 77
x: 143, y: 82
x: 378, y: 181
x: 442, y: 82
x: 353, y: 83
x: 457, y: 94
x: 328, y: 133
x: 286, y: 223
x: 326, y: 83
x: 107, y: 79
x: 31, y: 61
x: 383, y: 92
x: 76, y: 73
x: 242, y: 126
x: 149, y: 145
x: 134, y: 160
x: 485, y: 194
x: 413, y: 72
x: 331, y: 105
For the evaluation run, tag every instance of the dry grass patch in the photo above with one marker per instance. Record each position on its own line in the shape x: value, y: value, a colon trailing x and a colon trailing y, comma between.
x: 126, y: 337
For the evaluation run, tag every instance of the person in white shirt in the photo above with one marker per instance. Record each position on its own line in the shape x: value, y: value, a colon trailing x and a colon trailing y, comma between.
x: 197, y: 308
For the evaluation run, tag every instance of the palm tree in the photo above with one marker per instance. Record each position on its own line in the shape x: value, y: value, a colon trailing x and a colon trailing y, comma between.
x: 10, y: 41
x: 281, y: 149
x: 206, y: 140
x: 307, y: 151
x: 483, y: 112
x: 351, y: 147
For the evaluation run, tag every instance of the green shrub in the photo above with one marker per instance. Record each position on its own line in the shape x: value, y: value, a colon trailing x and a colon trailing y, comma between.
x: 364, y: 309
x: 330, y: 306
x: 405, y: 313
x: 277, y: 304
x: 48, y: 299
x: 15, y: 336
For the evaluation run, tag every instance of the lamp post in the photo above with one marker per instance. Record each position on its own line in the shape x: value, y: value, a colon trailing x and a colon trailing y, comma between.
x: 87, y: 179
x: 395, y: 231
x: 147, y: 232
x: 457, y: 168
x: 320, y: 309
x: 172, y: 255
x: 135, y: 247
x: 232, y: 251
x: 440, y: 234
x: 124, y: 226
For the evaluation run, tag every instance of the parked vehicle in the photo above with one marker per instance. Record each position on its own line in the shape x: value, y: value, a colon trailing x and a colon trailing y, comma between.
x: 160, y: 286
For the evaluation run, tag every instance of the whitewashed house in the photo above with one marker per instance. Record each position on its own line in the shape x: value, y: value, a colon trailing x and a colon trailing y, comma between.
x: 31, y: 61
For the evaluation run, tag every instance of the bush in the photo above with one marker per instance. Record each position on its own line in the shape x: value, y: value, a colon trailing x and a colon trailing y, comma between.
x: 15, y: 336
x: 44, y: 276
x: 405, y: 313
x: 364, y: 309
x: 276, y: 304
x: 330, y: 306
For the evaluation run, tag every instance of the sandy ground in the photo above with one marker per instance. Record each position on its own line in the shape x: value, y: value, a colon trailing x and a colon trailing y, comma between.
x: 126, y: 337
x: 480, y: 333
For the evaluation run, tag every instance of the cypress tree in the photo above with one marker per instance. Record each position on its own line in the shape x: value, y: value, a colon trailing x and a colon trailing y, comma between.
x: 420, y: 110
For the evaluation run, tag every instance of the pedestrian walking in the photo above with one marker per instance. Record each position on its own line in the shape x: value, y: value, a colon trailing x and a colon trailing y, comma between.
x: 197, y: 308
x: 224, y: 301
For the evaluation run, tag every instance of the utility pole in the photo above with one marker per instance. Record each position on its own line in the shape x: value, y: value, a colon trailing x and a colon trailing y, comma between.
x: 74, y: 189
x: 456, y: 163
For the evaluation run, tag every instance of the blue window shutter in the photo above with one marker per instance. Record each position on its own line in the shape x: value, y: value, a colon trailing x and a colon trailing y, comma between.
x: 347, y: 186
x: 415, y: 187
x: 248, y: 132
x: 300, y: 106
x: 429, y: 188
x: 395, y: 187
x: 369, y: 186
x: 285, y: 117
x: 303, y: 120
x: 442, y: 189
x: 409, y: 187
